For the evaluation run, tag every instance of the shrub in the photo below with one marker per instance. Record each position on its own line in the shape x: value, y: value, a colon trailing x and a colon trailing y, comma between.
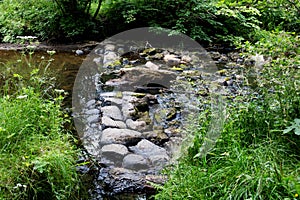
x: 32, y: 17
x: 205, y: 21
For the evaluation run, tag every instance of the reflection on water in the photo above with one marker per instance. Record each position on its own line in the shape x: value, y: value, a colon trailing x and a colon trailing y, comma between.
x: 64, y: 66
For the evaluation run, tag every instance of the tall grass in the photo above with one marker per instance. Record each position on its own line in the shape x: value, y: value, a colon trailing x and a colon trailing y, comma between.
x: 37, y: 156
x: 254, y: 158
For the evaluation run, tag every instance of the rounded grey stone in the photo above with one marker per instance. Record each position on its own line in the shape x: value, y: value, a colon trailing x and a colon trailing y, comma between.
x: 108, y: 122
x: 112, y: 111
x: 119, y: 136
x: 114, y: 153
x: 147, y: 148
x: 93, y: 119
x: 135, y: 162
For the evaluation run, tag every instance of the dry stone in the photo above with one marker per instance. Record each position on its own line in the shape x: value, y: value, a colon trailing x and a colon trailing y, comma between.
x: 113, y: 153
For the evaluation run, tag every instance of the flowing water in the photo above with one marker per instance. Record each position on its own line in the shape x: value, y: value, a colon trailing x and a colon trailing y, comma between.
x: 65, y: 66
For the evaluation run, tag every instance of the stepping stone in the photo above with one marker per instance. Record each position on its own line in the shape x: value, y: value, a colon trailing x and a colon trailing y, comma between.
x: 114, y: 153
x: 110, y: 123
x: 135, y: 162
x: 120, y: 136
x: 147, y: 149
x: 113, y: 112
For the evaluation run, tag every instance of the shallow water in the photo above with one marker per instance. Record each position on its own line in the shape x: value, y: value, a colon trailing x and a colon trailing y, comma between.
x: 64, y: 67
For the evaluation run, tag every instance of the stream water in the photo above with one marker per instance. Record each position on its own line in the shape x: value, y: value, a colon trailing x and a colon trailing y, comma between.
x: 65, y: 67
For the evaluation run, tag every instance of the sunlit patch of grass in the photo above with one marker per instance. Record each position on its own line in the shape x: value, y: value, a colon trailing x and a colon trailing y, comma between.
x: 36, y: 156
x: 255, y: 157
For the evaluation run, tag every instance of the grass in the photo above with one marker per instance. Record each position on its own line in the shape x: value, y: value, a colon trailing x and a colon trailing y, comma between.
x: 253, y: 158
x: 37, y: 156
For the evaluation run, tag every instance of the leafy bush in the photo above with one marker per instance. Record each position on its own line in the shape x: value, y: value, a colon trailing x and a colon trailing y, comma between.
x: 283, y: 14
x: 32, y: 17
x: 205, y: 21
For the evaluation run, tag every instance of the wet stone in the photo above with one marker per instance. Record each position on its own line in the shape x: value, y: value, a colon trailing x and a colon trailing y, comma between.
x: 114, y: 153
x: 109, y: 58
x: 93, y: 119
x: 114, y: 101
x: 172, y: 60
x: 92, y: 111
x: 108, y: 122
x: 109, y: 47
x: 119, y: 136
x: 136, y: 125
x: 109, y: 94
x: 155, y: 136
x: 112, y: 111
x: 147, y: 148
x: 159, y: 160
x: 151, y: 65
x: 135, y: 162
x: 127, y: 107
x: 90, y: 103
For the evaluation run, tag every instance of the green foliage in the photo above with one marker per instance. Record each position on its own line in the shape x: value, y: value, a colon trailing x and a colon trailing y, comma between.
x: 37, y: 157
x: 15, y: 75
x: 294, y: 127
x: 274, y: 43
x: 205, y: 21
x: 255, y: 157
x: 283, y: 14
x: 32, y: 17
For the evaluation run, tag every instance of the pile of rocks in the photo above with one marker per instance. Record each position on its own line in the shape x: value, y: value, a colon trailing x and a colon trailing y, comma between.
x: 133, y: 122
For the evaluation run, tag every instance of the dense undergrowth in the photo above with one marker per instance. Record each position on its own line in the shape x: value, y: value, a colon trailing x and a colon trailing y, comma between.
x: 37, y: 155
x: 222, y: 21
x: 257, y: 154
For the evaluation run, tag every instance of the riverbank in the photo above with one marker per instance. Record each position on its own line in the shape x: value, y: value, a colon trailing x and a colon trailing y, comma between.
x: 43, y: 46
